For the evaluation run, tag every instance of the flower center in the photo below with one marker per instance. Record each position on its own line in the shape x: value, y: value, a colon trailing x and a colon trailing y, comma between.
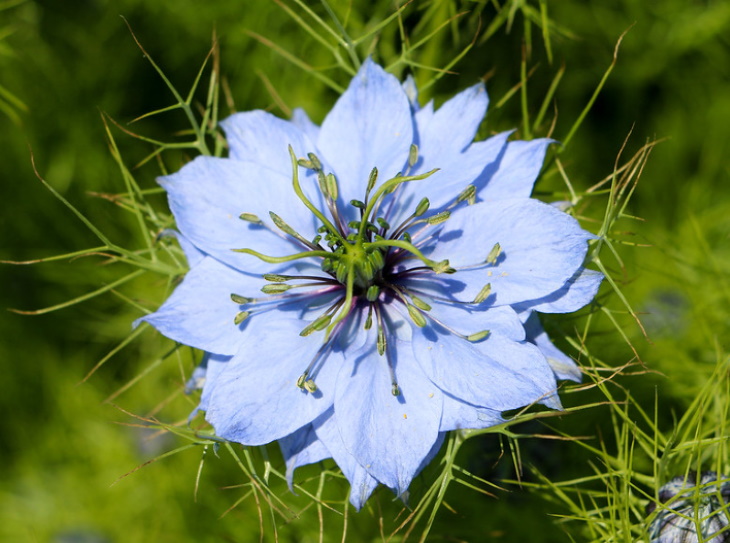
x: 365, y: 260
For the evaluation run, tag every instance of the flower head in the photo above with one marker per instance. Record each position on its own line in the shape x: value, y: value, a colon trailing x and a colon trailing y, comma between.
x: 692, y: 510
x: 365, y: 286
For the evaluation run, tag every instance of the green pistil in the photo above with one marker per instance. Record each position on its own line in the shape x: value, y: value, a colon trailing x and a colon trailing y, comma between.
x: 300, y: 194
x: 387, y: 188
x: 438, y: 267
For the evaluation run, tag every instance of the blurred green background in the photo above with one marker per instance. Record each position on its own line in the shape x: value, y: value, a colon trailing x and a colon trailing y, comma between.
x: 62, y: 64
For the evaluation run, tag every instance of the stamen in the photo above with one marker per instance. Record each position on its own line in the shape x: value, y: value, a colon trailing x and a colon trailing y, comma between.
x: 240, y: 317
x: 316, y: 325
x: 298, y: 190
x: 250, y: 217
x: 416, y: 316
x: 275, y: 278
x: 382, y: 341
x: 483, y: 293
x: 284, y: 227
x: 372, y: 293
x: 493, y: 254
x: 438, y: 218
x: 469, y: 194
x: 240, y: 300
x: 276, y: 288
x: 412, y: 155
x: 317, y: 165
x: 420, y: 304
x: 473, y: 338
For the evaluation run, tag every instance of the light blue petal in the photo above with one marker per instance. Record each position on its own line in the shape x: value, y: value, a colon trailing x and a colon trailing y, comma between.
x: 541, y: 249
x: 300, y: 118
x: 456, y: 170
x: 452, y: 127
x: 216, y: 365
x: 460, y: 415
x: 300, y: 449
x: 361, y: 482
x: 200, y: 312
x: 208, y: 195
x: 577, y: 292
x: 369, y: 126
x: 193, y: 255
x: 255, y: 400
x: 411, y: 90
x: 563, y: 366
x: 388, y: 435
x: 517, y: 171
x: 197, y: 379
x: 496, y: 373
x: 262, y: 138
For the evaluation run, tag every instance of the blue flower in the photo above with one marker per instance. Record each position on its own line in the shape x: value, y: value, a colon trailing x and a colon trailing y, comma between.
x: 363, y: 287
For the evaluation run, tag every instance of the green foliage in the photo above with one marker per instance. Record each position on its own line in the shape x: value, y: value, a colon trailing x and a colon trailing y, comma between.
x: 106, y: 115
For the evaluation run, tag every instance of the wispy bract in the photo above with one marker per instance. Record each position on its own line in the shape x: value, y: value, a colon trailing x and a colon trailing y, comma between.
x: 365, y: 286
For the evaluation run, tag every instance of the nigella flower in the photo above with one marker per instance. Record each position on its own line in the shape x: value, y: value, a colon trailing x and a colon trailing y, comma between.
x: 692, y: 510
x: 363, y: 287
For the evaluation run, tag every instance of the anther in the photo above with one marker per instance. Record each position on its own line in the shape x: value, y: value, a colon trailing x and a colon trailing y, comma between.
x: 316, y: 325
x: 422, y: 207
x: 439, y: 217
x: 416, y: 316
x: 240, y: 317
x: 469, y: 193
x: 277, y: 288
x: 240, y: 300
x: 483, y: 294
x: 372, y: 180
x: 478, y: 336
x: 250, y: 217
x: 331, y: 183
x: 275, y: 278
x: 395, y: 390
x: 358, y: 204
x: 315, y: 161
x: 420, y: 304
x: 310, y: 386
x: 372, y: 294
x: 413, y: 155
x: 301, y: 379
x: 494, y: 254
x: 382, y: 342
